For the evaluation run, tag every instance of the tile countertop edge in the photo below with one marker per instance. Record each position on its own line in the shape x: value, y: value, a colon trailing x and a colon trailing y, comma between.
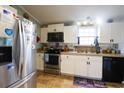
x: 92, y: 54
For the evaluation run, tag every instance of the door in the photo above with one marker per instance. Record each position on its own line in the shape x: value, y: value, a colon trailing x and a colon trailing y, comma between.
x: 95, y: 67
x: 51, y: 59
x: 67, y: 64
x: 70, y: 34
x: 117, y: 32
x: 105, y: 33
x: 113, y: 69
x: 43, y: 37
x: 55, y: 28
x: 40, y: 61
x: 81, y: 66
x: 24, y: 48
x: 27, y: 82
x: 28, y: 40
x: 8, y: 75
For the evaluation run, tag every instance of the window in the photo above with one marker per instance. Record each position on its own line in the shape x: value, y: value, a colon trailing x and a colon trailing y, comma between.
x: 87, y: 35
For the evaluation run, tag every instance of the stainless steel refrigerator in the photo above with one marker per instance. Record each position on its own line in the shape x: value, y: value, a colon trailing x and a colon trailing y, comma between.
x: 20, y: 72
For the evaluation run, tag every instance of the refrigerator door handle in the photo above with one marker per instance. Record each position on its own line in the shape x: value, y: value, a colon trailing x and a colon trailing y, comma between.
x: 21, y: 50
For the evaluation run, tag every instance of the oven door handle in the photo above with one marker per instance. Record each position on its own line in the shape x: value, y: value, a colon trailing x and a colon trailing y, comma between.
x: 52, y: 54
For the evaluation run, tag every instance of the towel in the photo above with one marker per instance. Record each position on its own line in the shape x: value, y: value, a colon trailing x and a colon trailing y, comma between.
x: 46, y: 57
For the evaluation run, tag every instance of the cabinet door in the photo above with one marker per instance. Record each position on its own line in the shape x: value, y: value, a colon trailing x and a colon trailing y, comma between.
x: 40, y: 61
x: 70, y: 34
x: 117, y: 32
x: 105, y: 33
x: 55, y: 28
x: 43, y: 37
x: 67, y: 64
x: 95, y: 67
x: 81, y: 66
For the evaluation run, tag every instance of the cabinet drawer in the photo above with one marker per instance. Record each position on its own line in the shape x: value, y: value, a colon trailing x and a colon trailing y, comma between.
x: 94, y: 58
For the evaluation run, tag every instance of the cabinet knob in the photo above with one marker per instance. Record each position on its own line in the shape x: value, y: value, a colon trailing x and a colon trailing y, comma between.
x: 54, y: 29
x: 87, y: 62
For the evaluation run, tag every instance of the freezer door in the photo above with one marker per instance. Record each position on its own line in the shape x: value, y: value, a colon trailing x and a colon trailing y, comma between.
x: 29, y: 51
x: 8, y: 75
x: 27, y: 82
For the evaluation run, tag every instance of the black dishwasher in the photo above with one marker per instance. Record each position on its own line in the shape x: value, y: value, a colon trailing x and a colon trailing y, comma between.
x: 113, y: 69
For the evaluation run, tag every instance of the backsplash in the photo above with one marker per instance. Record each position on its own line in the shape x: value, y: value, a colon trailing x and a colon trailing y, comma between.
x: 59, y: 45
x: 79, y: 48
x: 121, y: 47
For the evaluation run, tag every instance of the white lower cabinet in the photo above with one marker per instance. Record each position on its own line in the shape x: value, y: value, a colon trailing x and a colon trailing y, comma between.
x: 67, y: 64
x: 80, y: 66
x: 94, y: 67
x: 40, y: 61
x: 84, y: 66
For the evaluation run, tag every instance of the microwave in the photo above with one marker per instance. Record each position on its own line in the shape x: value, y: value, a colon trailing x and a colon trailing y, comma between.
x: 55, y: 37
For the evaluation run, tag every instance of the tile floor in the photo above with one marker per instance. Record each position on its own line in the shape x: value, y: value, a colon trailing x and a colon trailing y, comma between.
x: 45, y: 80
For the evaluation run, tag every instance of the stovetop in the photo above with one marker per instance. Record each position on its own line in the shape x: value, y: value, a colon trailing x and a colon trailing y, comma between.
x: 54, y: 51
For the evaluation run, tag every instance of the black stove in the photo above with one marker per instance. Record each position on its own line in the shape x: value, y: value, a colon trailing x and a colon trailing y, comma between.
x: 52, y: 61
x: 54, y: 51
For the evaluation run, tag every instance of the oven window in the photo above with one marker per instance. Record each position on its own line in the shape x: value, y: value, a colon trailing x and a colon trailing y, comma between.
x: 51, y: 59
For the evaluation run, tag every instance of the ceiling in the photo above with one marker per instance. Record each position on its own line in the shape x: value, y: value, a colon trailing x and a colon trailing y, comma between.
x: 63, y: 13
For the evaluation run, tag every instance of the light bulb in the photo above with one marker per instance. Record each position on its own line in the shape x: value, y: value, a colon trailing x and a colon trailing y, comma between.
x: 99, y: 21
x: 78, y: 23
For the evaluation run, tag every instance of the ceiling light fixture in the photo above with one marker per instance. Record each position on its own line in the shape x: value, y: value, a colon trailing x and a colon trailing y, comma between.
x: 99, y: 21
x: 78, y: 23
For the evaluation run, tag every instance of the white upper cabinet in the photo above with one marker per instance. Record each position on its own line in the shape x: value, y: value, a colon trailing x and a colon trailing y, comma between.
x: 112, y: 31
x: 70, y: 34
x: 43, y: 37
x: 105, y: 33
x: 55, y: 28
x: 117, y: 32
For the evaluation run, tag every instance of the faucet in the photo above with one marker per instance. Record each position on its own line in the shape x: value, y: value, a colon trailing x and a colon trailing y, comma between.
x: 97, y: 45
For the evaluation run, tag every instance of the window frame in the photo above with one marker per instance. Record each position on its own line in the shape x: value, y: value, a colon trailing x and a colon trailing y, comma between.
x: 97, y: 34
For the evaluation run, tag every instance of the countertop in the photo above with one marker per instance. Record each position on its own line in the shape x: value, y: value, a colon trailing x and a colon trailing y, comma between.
x: 86, y: 54
x: 91, y: 54
x: 40, y: 51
